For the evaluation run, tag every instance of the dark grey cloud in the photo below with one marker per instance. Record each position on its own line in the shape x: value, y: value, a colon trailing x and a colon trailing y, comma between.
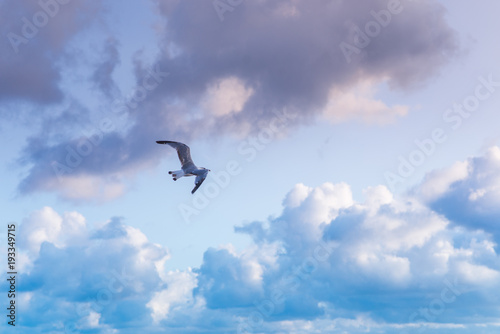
x: 266, y: 56
x: 102, y: 75
x: 33, y: 37
x: 289, y: 51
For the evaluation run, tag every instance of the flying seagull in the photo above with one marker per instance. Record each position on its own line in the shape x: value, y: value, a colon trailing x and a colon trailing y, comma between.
x: 188, y: 166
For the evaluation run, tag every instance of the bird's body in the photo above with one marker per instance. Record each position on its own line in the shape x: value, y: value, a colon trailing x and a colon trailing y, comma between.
x: 187, y: 164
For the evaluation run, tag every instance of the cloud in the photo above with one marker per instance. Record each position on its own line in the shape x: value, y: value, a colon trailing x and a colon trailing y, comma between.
x: 178, y: 293
x: 226, y: 278
x: 227, y: 78
x: 46, y: 225
x: 78, y: 170
x: 32, y: 47
x: 227, y: 96
x: 102, y: 279
x: 86, y: 187
x: 438, y: 182
x: 478, y: 274
x: 110, y: 273
x: 288, y: 53
x: 102, y: 75
x: 359, y: 103
x: 327, y: 263
x: 381, y: 260
x: 468, y: 193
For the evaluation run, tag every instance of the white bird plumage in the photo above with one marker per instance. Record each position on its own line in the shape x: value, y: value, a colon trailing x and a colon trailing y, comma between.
x: 188, y: 168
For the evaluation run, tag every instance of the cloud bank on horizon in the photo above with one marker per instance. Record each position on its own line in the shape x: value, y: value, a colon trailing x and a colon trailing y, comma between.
x: 221, y: 78
x: 326, y: 264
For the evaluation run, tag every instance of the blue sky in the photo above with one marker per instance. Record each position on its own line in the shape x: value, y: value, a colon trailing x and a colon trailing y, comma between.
x: 355, y: 160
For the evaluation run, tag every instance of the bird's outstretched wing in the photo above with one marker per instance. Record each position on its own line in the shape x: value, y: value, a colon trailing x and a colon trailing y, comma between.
x: 182, y: 151
x: 199, y: 180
